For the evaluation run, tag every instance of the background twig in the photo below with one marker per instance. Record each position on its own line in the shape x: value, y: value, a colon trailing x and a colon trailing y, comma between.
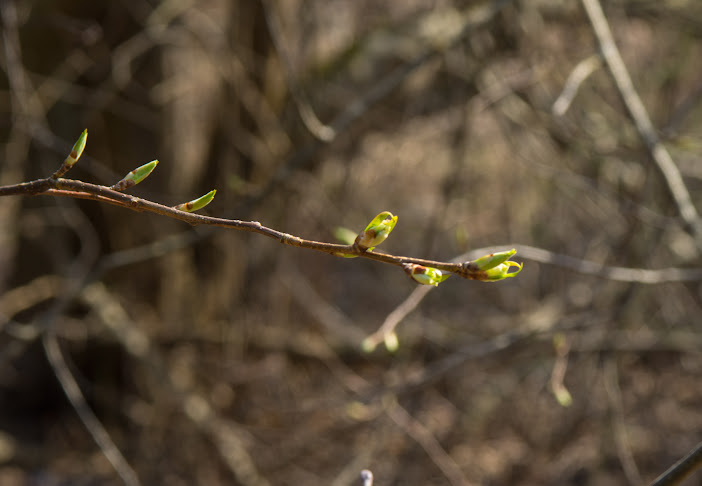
x: 639, y: 115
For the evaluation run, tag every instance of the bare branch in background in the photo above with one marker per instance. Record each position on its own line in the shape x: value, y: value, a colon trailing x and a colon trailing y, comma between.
x: 621, y: 435
x: 681, y: 469
x: 639, y: 115
x: 91, y: 422
x: 584, y: 267
x: 426, y: 439
x: 579, y: 74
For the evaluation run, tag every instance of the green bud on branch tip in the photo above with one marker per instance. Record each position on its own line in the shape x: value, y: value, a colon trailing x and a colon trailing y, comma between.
x: 492, y: 267
x: 502, y: 271
x: 377, y: 231
x: 368, y: 345
x: 198, y: 203
x: 425, y: 275
x: 73, y: 157
x: 77, y: 149
x: 135, y: 176
x: 562, y: 395
x: 392, y: 344
x: 493, y: 259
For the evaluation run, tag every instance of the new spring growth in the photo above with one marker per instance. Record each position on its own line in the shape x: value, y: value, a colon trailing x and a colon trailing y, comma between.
x: 425, y: 275
x: 376, y: 232
x: 493, y: 267
x: 75, y: 154
x: 77, y: 149
x: 392, y: 343
x: 135, y: 176
x: 198, y: 203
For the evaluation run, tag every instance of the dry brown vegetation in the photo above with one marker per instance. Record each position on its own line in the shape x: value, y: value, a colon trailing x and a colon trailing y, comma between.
x: 221, y: 357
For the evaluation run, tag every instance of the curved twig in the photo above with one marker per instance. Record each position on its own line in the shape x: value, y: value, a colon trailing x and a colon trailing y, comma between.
x: 584, y: 267
x: 639, y: 115
x: 91, y: 422
x: 579, y: 74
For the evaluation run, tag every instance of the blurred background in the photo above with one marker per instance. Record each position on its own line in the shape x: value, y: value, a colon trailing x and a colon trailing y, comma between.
x: 220, y: 357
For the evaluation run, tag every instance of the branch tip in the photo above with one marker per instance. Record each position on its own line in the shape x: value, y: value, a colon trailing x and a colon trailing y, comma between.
x: 73, y: 157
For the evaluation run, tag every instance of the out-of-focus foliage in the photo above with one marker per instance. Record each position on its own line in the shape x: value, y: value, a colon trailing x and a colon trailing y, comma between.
x: 209, y: 355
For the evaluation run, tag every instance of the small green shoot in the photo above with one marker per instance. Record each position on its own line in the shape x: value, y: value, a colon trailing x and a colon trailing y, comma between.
x: 377, y: 231
x: 135, y: 176
x: 198, y: 203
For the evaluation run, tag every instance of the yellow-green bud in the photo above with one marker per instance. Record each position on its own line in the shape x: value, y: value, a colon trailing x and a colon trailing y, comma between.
x: 501, y: 271
x: 135, y: 176
x: 492, y: 260
x: 425, y: 275
x: 77, y: 149
x: 198, y: 203
x: 377, y: 231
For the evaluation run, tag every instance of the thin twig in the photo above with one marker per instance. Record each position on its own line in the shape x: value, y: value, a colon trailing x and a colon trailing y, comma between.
x: 86, y: 415
x: 427, y: 441
x: 621, y: 439
x: 585, y: 267
x: 619, y: 274
x: 226, y: 436
x: 560, y: 366
x: 639, y: 115
x: 397, y: 316
x: 367, y: 477
x: 84, y: 190
x: 579, y: 74
x: 475, y: 19
x: 25, y: 108
x: 314, y: 125
x: 681, y: 469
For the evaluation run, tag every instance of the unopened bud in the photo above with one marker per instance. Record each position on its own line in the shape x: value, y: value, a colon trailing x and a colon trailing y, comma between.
x: 135, y: 176
x: 377, y: 231
x: 492, y: 260
x: 492, y: 267
x: 198, y: 203
x: 425, y: 275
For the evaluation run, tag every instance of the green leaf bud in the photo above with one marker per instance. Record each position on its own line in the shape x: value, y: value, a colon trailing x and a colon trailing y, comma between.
x: 77, y: 149
x: 198, y: 203
x: 369, y: 344
x: 425, y: 275
x: 501, y: 271
x: 492, y: 267
x: 391, y: 342
x: 562, y: 395
x: 492, y: 260
x: 135, y: 176
x: 377, y: 231
x: 73, y: 157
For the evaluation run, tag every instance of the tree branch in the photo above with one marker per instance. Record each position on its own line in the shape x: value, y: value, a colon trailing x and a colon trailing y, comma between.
x: 681, y: 469
x: 87, y: 416
x: 639, y: 115
x: 85, y: 190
